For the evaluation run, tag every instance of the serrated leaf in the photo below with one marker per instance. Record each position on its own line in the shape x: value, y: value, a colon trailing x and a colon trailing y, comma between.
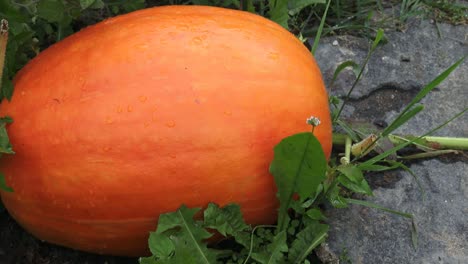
x: 160, y: 245
x: 51, y: 10
x: 3, y: 184
x: 86, y: 3
x: 308, y: 239
x: 299, y: 166
x: 274, y: 253
x: 295, y: 6
x: 187, y: 241
x: 279, y: 12
x: 228, y: 221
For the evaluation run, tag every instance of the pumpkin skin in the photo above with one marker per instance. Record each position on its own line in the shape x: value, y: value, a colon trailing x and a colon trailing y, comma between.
x: 136, y: 115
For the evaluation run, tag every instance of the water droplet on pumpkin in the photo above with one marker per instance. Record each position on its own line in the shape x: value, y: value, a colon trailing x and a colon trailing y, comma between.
x: 182, y: 27
x: 130, y: 108
x: 119, y: 109
x: 109, y: 120
x: 142, y: 98
x: 23, y: 93
x: 197, y: 40
x: 170, y: 124
x: 106, y: 149
x: 227, y: 112
x: 273, y: 55
x: 142, y: 46
x: 68, y: 206
x: 173, y: 156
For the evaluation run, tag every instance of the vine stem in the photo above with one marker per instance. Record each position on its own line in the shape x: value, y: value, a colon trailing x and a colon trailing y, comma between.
x: 3, y: 45
x: 430, y: 142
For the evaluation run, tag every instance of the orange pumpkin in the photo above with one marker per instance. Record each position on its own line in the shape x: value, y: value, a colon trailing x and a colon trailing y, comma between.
x: 136, y: 115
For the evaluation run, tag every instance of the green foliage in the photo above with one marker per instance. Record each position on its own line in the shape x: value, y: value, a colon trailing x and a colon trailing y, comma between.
x: 184, y: 239
x: 5, y: 148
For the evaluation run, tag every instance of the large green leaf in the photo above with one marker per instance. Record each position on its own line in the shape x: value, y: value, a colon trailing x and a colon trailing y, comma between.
x: 299, y: 166
x: 187, y: 239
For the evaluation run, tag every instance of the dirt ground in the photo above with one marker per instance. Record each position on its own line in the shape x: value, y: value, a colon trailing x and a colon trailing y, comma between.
x: 19, y: 247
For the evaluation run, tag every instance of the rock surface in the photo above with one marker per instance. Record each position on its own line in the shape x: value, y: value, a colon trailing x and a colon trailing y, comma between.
x: 395, y: 73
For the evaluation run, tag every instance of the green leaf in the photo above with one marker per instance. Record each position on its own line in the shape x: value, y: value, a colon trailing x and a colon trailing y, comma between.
x: 98, y: 4
x: 3, y: 184
x: 130, y: 6
x: 147, y: 260
x: 299, y: 166
x: 187, y: 241
x: 228, y: 221
x: 86, y: 3
x: 315, y: 214
x: 5, y: 146
x: 51, y: 10
x: 308, y: 239
x: 274, y: 251
x: 378, y: 38
x: 354, y: 179
x: 343, y: 66
x: 295, y: 6
x: 362, y: 187
x: 279, y: 12
x: 160, y: 245
x: 336, y: 199
x: 377, y: 167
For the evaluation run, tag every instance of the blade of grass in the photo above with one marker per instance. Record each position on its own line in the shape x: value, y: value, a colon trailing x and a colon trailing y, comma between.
x: 376, y: 206
x: 401, y: 120
x: 378, y: 37
x: 341, y: 67
x: 319, y: 31
x: 429, y: 87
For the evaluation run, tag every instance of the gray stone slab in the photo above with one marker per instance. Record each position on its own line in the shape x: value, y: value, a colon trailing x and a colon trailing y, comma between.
x: 396, y: 72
